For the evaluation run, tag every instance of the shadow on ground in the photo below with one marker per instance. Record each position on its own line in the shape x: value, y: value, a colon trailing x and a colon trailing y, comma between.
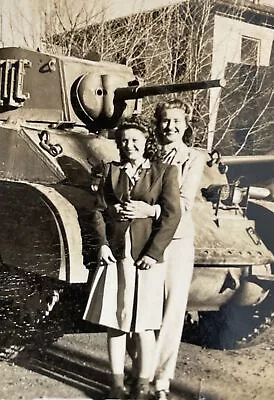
x: 86, y: 373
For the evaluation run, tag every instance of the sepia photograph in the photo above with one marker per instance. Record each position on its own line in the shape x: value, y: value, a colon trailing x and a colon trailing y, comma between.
x: 136, y: 199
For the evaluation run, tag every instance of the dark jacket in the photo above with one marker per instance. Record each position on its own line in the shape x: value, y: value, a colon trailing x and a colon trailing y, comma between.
x: 157, y: 184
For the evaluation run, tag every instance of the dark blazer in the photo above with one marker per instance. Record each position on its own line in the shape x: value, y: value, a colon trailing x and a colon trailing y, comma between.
x: 157, y: 184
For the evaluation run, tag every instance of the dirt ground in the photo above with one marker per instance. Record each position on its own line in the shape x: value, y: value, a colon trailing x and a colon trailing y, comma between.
x: 76, y: 367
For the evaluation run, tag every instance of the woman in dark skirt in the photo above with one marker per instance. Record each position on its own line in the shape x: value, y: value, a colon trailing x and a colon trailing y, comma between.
x: 128, y: 289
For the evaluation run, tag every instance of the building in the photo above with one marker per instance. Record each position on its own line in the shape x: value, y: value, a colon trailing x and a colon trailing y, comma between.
x: 243, y: 43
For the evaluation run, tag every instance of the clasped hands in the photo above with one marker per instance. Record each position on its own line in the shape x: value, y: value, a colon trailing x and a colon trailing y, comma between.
x: 123, y: 212
x: 105, y: 257
x: 131, y: 209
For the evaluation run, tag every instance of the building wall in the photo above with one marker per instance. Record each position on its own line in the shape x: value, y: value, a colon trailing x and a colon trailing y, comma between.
x: 227, y: 40
x: 264, y: 2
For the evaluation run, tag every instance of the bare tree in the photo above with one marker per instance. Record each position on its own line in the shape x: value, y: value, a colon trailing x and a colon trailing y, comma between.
x: 174, y: 44
x: 245, y: 124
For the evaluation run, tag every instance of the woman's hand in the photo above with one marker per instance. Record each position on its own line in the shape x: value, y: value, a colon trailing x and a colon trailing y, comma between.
x: 145, y: 262
x: 132, y: 209
x: 116, y: 212
x: 105, y: 256
x: 136, y: 209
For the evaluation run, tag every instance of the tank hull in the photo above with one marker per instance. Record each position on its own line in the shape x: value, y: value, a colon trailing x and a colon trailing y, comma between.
x: 46, y: 205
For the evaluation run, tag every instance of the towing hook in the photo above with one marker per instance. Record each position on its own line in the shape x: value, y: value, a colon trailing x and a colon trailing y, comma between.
x: 53, y: 149
x: 50, y: 66
x: 215, y: 158
x: 223, y: 168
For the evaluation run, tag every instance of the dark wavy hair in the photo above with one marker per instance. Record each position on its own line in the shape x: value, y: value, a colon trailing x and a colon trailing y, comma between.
x: 155, y: 149
x: 135, y: 122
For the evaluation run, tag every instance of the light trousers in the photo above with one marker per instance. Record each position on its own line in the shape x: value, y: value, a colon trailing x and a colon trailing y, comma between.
x: 180, y: 260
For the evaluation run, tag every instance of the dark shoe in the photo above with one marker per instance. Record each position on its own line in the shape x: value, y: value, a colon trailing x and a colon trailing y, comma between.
x: 161, y: 395
x: 130, y: 380
x: 118, y: 392
x: 141, y: 392
x: 130, y: 384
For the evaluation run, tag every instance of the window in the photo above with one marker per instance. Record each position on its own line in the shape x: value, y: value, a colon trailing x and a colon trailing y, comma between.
x: 250, y: 50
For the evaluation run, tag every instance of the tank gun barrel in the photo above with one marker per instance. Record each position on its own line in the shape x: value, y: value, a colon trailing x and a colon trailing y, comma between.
x: 242, y: 160
x: 138, y: 92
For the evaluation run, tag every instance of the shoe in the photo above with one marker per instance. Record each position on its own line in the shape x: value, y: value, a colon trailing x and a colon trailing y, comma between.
x: 161, y: 395
x: 118, y: 392
x: 130, y: 381
x: 141, y: 392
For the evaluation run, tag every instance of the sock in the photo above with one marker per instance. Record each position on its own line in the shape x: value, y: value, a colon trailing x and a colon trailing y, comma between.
x: 162, y: 384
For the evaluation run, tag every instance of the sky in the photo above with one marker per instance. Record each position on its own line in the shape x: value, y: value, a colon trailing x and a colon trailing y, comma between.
x: 121, y: 7
x: 109, y: 8
x: 117, y: 8
x: 98, y: 10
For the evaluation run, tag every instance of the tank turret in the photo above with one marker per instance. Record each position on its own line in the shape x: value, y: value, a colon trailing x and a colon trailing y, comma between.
x: 60, y: 105
x: 51, y: 89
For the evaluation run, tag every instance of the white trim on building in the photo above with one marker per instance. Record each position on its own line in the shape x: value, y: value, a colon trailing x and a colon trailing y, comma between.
x: 227, y: 39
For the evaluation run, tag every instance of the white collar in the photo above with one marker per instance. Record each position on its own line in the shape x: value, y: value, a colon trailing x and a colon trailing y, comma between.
x: 182, y: 152
x: 134, y: 173
x: 144, y: 165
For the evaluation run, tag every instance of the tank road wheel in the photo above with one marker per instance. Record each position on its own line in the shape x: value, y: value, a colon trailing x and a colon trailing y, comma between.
x: 225, y: 328
x: 235, y: 326
x: 25, y: 304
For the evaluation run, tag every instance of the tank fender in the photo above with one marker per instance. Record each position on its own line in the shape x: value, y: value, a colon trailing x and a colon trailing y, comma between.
x: 40, y: 232
x: 72, y: 269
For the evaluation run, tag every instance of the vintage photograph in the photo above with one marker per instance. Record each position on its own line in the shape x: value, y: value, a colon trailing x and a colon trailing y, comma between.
x: 136, y: 199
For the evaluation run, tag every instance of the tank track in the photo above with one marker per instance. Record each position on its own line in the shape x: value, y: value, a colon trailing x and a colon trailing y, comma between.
x: 26, y: 304
x: 232, y: 327
x: 263, y: 318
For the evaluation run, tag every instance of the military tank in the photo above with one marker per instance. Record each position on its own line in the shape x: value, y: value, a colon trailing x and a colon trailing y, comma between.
x: 233, y: 276
x: 55, y: 115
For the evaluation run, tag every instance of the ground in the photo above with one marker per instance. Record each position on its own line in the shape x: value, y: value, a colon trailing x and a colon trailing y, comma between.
x: 76, y: 367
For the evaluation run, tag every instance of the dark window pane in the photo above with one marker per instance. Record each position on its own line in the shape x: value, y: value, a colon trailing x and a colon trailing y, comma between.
x: 250, y: 50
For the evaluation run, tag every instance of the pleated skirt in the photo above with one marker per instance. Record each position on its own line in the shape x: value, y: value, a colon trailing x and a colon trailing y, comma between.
x: 126, y: 298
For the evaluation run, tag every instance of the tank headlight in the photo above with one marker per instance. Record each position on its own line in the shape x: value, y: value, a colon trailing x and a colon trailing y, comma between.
x: 229, y: 194
x: 224, y: 193
x: 215, y: 193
